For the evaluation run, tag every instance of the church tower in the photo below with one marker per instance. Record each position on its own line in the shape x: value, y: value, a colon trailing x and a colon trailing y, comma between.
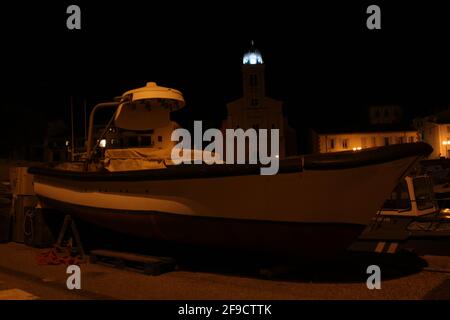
x: 253, y: 77
x: 256, y: 110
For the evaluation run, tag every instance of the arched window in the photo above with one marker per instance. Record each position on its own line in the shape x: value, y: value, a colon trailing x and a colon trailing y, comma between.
x: 253, y: 80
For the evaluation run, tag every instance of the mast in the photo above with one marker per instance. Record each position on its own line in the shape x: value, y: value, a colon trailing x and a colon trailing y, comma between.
x: 72, y: 156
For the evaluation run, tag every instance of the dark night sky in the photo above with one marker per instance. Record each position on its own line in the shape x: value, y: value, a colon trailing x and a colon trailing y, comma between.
x: 320, y: 58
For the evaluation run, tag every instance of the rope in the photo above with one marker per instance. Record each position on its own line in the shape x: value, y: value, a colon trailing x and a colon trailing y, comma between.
x: 29, y: 215
x: 57, y: 256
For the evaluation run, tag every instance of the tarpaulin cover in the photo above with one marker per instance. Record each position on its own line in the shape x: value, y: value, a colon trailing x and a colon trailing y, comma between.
x: 141, y: 158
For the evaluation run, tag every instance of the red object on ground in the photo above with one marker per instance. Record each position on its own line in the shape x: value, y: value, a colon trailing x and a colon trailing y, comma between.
x: 57, y: 256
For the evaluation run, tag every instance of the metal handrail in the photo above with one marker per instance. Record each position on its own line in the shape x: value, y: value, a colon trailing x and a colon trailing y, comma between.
x: 89, y: 148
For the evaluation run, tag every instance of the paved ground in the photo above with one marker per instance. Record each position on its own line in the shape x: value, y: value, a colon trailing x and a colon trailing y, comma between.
x: 19, y: 271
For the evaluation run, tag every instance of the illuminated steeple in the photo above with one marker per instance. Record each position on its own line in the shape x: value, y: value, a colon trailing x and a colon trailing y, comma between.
x: 253, y: 77
x: 252, y: 56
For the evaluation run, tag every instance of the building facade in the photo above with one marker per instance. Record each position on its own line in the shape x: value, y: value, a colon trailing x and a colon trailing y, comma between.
x: 347, y: 141
x: 384, y: 125
x: 435, y: 130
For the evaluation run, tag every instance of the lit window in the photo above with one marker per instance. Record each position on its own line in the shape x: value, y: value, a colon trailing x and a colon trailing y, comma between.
x: 345, y: 143
x: 331, y: 143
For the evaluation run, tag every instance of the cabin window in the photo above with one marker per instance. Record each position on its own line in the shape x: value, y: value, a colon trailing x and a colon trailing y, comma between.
x: 399, y: 199
x: 448, y: 129
x: 159, y: 138
x: 386, y: 141
x: 411, y: 139
x: 133, y: 141
x: 424, y: 193
x: 146, y: 141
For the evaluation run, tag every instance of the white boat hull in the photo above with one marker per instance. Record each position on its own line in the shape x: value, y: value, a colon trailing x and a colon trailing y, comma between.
x: 325, y: 209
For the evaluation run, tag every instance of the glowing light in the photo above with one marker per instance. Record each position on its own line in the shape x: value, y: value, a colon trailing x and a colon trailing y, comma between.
x: 357, y: 149
x: 252, y: 58
x: 445, y: 143
x: 277, y: 156
x: 102, y: 143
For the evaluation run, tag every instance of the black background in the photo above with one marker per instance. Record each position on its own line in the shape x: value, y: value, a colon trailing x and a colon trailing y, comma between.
x: 321, y: 59
x: 280, y: 309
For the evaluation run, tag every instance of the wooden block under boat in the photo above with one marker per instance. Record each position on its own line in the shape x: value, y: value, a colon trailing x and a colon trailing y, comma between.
x: 147, y: 264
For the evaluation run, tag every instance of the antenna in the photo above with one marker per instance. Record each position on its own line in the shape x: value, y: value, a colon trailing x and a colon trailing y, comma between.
x: 72, y: 156
x: 85, y: 121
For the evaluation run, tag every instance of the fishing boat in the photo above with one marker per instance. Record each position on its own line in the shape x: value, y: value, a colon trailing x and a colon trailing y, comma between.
x: 316, y: 204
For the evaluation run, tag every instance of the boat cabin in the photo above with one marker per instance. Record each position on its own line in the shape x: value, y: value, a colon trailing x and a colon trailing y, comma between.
x: 412, y: 197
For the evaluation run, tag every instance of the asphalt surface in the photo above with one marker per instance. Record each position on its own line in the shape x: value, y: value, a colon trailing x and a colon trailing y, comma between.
x: 22, y: 278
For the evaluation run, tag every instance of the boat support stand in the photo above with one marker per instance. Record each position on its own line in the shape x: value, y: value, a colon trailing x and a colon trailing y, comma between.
x: 69, y: 221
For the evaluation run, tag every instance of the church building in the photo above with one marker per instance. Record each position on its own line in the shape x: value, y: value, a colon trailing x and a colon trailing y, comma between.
x: 255, y: 109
